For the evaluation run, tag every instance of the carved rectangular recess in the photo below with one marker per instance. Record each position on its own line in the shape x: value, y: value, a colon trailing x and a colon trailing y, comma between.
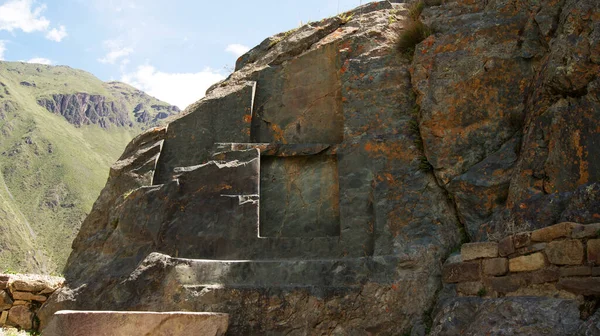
x: 299, y: 196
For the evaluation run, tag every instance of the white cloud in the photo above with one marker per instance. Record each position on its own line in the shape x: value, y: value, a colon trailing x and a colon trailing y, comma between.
x: 57, y: 35
x: 116, y: 50
x: 25, y: 15
x: 237, y: 49
x: 180, y: 89
x: 2, y: 49
x: 40, y: 60
x: 21, y: 14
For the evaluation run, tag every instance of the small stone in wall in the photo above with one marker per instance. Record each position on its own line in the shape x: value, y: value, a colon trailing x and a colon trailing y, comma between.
x: 461, y: 272
x: 553, y: 232
x: 550, y: 274
x: 20, y: 316
x: 471, y: 251
x: 28, y: 286
x: 581, y: 286
x: 3, y: 317
x: 5, y: 301
x: 586, y: 231
x: 495, y: 266
x: 565, y: 252
x: 527, y: 263
x: 506, y: 246
x: 470, y: 288
x: 522, y: 239
x: 507, y: 284
x: 593, y: 251
x: 21, y: 303
x: 28, y: 296
x: 529, y: 249
x: 575, y: 271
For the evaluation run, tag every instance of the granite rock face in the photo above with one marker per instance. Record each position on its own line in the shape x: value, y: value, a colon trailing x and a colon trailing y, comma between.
x: 293, y: 196
x: 507, y: 316
x: 507, y: 91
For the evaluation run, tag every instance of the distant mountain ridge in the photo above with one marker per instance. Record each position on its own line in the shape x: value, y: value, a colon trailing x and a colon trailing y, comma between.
x: 60, y: 129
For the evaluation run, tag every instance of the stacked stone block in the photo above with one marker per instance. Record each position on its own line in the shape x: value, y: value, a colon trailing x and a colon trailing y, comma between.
x: 561, y: 260
x: 22, y: 295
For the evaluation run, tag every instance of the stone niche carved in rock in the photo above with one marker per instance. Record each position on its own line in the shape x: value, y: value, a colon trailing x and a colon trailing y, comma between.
x: 296, y: 131
x: 299, y: 197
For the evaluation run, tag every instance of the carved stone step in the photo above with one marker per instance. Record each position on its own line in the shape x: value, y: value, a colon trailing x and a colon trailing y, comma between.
x: 131, y: 323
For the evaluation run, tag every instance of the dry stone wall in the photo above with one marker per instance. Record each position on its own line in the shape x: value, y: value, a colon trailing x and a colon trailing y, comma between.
x: 22, y: 295
x: 561, y: 260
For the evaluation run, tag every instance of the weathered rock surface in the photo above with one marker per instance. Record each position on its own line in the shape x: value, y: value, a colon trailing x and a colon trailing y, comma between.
x: 507, y: 316
x: 106, y: 323
x: 20, y: 316
x: 501, y: 68
x: 293, y: 197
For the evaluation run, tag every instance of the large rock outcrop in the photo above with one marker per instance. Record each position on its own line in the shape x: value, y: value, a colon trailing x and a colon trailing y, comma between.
x: 297, y: 196
x: 123, y: 107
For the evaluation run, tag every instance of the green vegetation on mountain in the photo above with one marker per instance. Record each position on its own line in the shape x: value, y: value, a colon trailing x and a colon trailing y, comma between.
x: 60, y: 130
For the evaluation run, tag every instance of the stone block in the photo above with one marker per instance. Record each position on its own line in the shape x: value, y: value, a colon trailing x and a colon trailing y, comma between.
x: 3, y: 317
x: 495, y: 266
x: 471, y: 251
x: 522, y: 239
x: 507, y: 284
x: 470, y: 288
x: 552, y: 232
x: 542, y: 276
x: 527, y: 263
x: 585, y: 231
x: 5, y: 301
x: 30, y: 285
x: 593, y: 251
x: 4, y: 277
x: 21, y: 303
x: 20, y: 316
x: 575, y: 271
x: 581, y: 286
x: 126, y: 323
x: 27, y: 296
x: 461, y: 272
x: 506, y: 246
x: 565, y: 252
x: 528, y: 250
x: 3, y: 285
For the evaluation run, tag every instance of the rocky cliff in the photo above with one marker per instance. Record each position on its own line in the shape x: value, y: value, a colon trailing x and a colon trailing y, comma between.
x: 322, y: 186
x: 116, y: 109
x: 60, y: 129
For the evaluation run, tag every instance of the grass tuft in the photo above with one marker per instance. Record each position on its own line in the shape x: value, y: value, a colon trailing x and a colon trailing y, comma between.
x: 413, y: 33
x: 424, y: 165
x: 415, y: 10
x: 345, y: 18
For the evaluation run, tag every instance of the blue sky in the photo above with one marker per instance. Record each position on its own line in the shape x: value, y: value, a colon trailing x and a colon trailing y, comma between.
x: 172, y: 49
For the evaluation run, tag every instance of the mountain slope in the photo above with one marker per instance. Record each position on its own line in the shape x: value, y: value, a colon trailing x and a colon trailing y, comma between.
x: 60, y: 129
